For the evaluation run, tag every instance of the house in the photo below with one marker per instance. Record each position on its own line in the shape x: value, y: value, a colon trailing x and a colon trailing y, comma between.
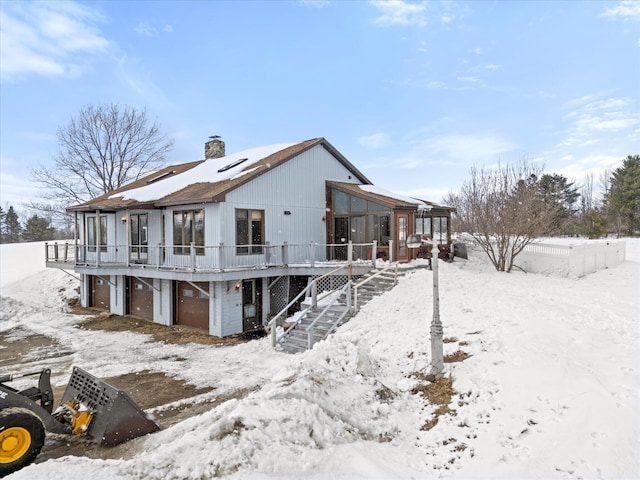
x: 222, y: 244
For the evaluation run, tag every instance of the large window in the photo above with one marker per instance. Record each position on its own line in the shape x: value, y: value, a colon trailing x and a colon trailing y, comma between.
x: 139, y: 238
x: 249, y: 231
x: 188, y: 226
x: 359, y: 220
x: 440, y: 229
x: 92, y: 233
x: 435, y: 227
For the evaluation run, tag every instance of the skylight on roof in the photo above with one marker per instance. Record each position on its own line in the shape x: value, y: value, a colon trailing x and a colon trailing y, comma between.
x: 231, y: 165
x: 160, y: 177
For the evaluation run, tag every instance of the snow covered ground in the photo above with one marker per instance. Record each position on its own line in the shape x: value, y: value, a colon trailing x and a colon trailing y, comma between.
x: 551, y: 389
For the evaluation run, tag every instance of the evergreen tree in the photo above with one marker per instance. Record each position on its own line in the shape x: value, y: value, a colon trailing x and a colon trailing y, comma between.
x: 13, y: 229
x: 3, y: 217
x: 624, y: 196
x: 38, y: 229
x: 560, y: 195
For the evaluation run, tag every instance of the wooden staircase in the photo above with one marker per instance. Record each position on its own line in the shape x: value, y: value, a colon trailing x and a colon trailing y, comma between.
x: 318, y: 322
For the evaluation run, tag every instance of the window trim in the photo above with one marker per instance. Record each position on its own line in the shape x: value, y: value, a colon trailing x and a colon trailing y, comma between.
x: 196, y: 235
x: 249, y: 248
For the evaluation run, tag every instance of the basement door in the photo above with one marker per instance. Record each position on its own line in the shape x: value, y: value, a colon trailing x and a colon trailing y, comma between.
x: 192, y: 306
x: 141, y: 298
x: 100, y: 293
x: 251, y: 304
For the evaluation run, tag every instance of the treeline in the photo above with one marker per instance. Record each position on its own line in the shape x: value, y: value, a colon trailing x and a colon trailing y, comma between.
x: 34, y: 229
x: 604, y: 206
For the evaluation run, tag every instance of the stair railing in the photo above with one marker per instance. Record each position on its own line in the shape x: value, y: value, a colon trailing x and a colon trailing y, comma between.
x: 346, y: 290
x: 394, y: 265
x: 312, y: 290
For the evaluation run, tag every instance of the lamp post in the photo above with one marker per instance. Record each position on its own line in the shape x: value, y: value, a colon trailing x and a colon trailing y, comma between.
x: 437, y: 359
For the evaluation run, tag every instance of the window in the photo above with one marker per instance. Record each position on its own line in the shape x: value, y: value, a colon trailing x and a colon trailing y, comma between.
x: 188, y: 226
x: 360, y: 220
x: 139, y: 240
x: 379, y: 229
x: 440, y: 229
x: 423, y: 225
x: 435, y: 227
x: 92, y: 233
x: 249, y: 231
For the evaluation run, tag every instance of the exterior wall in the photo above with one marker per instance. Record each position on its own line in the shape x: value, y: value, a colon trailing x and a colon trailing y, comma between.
x: 163, y: 302
x: 85, y: 288
x: 231, y: 310
x: 215, y: 308
x: 118, y: 294
x: 298, y: 186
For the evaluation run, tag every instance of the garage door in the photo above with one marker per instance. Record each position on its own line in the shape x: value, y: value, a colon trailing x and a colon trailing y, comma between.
x: 141, y: 297
x: 100, y: 293
x: 192, y: 306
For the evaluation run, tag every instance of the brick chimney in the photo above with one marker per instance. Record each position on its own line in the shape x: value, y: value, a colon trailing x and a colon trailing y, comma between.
x: 214, y: 148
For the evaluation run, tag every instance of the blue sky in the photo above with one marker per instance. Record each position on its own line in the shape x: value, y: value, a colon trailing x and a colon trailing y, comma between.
x: 412, y: 93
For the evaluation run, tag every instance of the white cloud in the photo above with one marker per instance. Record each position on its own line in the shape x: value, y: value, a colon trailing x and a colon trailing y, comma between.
x: 135, y: 77
x: 145, y: 29
x: 51, y: 39
x: 316, y: 3
x: 627, y: 9
x: 468, y: 79
x: 591, y: 116
x: 471, y: 147
x: 148, y: 30
x: 399, y: 12
x: 492, y: 66
x: 374, y: 141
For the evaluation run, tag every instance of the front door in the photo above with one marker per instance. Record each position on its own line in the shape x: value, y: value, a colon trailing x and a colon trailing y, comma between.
x: 251, y: 305
x: 402, y: 251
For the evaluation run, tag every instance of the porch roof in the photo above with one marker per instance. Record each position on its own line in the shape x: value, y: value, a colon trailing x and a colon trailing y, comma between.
x: 387, y: 198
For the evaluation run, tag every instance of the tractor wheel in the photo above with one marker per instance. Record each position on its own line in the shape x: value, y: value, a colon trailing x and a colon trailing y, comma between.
x: 21, y: 439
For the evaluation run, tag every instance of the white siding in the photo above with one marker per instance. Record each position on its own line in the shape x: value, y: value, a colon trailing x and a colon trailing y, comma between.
x: 85, y: 288
x: 231, y: 310
x: 117, y: 294
x: 215, y: 308
x: 163, y: 302
x: 297, y: 186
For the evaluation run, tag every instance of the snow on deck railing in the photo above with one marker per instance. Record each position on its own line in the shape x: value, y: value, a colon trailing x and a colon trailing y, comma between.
x: 570, y: 260
x: 210, y: 258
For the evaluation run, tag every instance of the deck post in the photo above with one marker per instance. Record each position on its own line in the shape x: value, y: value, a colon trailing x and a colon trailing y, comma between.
x: 192, y: 251
x: 221, y: 254
x: 374, y: 252
x: 312, y: 256
x: 285, y: 253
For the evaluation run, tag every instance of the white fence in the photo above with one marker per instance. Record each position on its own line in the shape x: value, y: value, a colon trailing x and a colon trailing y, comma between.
x: 567, y: 260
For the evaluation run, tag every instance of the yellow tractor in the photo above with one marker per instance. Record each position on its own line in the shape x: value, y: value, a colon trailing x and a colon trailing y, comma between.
x: 89, y: 407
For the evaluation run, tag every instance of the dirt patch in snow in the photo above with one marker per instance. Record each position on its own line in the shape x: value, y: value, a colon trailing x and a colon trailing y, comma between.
x: 438, y: 392
x: 175, y: 334
x: 168, y: 400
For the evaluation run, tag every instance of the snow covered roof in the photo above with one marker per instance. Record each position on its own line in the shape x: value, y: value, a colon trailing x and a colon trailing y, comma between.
x: 386, y: 197
x: 207, y: 180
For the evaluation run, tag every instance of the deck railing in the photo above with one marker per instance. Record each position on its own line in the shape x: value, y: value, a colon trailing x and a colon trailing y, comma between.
x: 210, y: 258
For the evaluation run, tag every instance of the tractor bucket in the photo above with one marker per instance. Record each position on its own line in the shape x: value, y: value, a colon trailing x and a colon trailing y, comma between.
x: 116, y: 417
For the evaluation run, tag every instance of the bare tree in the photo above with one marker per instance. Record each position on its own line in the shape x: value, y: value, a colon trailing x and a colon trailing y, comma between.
x: 504, y: 210
x: 101, y: 149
